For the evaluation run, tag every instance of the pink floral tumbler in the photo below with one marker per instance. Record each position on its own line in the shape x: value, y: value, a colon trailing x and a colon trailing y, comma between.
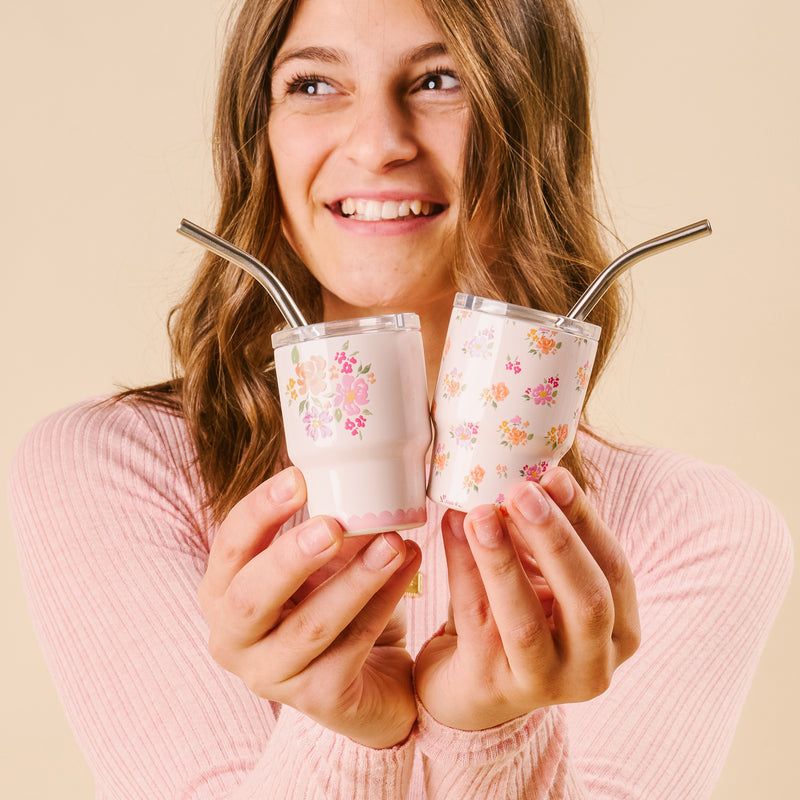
x: 354, y: 400
x: 508, y: 398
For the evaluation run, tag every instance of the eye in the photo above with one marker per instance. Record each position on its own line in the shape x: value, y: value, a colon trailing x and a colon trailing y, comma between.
x: 439, y: 80
x: 309, y: 86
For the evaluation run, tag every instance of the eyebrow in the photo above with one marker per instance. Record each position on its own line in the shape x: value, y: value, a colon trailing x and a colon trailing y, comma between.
x: 329, y: 55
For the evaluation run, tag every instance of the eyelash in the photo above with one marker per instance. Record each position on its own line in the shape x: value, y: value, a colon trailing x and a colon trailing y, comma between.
x: 438, y: 72
x: 297, y: 83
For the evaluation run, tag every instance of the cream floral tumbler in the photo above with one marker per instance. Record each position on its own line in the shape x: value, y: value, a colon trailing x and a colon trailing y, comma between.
x: 354, y: 401
x: 508, y: 398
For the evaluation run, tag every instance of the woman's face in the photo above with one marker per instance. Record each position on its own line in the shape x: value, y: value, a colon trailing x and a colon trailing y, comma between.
x: 367, y: 130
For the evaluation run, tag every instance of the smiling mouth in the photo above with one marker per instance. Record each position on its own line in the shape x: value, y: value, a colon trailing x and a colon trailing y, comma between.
x: 387, y: 210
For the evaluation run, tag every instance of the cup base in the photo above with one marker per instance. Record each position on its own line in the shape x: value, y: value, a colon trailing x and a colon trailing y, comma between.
x: 401, y: 520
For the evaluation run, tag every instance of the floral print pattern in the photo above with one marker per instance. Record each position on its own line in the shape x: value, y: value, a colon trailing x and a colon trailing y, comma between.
x: 514, y: 432
x: 465, y: 433
x: 542, y: 342
x: 452, y: 385
x: 494, y: 394
x: 480, y: 345
x: 501, y: 390
x: 544, y: 394
x: 333, y: 394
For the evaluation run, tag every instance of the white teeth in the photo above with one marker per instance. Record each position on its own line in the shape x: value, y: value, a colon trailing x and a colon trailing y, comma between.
x: 390, y: 210
x: 375, y: 210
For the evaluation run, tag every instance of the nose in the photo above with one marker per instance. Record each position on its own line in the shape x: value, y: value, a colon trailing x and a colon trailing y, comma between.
x: 382, y: 136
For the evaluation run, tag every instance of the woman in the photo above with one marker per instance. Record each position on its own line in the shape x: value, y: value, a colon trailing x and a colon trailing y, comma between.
x: 380, y: 158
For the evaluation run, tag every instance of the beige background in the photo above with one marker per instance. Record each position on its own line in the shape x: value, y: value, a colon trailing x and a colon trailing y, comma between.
x: 106, y: 123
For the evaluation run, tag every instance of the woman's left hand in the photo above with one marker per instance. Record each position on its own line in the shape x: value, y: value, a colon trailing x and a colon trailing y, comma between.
x: 543, y: 608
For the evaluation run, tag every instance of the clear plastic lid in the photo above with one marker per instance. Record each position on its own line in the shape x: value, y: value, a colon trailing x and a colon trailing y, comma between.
x: 500, y: 309
x: 345, y: 327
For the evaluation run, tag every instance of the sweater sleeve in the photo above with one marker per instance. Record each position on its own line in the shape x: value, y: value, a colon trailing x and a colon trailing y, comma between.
x: 112, y: 546
x: 525, y: 759
x: 712, y: 560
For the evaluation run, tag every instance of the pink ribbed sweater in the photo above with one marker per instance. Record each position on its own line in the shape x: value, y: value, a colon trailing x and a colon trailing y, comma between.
x: 113, y: 542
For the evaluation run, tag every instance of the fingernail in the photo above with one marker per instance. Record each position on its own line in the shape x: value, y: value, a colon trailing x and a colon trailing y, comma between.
x: 531, y: 503
x: 453, y: 521
x: 282, y: 487
x: 559, y: 486
x: 487, y: 528
x: 379, y: 553
x: 315, y: 537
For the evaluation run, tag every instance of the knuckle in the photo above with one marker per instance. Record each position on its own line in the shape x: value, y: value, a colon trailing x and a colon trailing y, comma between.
x: 525, y: 635
x: 560, y: 541
x: 241, y: 603
x: 597, y: 612
x: 310, y: 629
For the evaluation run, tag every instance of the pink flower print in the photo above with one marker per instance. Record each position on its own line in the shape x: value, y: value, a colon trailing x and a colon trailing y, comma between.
x: 316, y: 421
x: 465, y: 434
x: 480, y: 345
x: 544, y: 394
x: 513, y: 365
x: 355, y: 424
x: 311, y: 375
x: 533, y: 472
x: 351, y: 394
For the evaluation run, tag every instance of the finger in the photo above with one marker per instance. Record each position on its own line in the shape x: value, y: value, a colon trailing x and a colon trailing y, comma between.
x: 254, y: 601
x: 312, y: 627
x: 353, y: 645
x: 563, y: 489
x: 469, y: 605
x: 517, y: 612
x: 583, y: 613
x: 248, y: 529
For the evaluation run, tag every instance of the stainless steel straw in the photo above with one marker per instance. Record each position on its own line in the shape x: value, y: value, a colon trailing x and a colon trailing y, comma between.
x: 600, y: 284
x: 252, y: 266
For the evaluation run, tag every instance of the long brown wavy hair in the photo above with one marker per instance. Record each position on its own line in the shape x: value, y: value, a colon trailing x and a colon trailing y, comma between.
x: 528, y: 177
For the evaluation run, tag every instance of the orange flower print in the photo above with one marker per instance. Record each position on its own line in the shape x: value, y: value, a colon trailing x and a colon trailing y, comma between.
x: 542, y: 343
x: 311, y: 375
x: 582, y: 378
x: 290, y: 388
x: 440, y: 459
x: 546, y: 346
x: 557, y: 435
x: 452, y: 385
x: 474, y: 478
x: 494, y: 395
x: 514, y: 432
x: 499, y: 392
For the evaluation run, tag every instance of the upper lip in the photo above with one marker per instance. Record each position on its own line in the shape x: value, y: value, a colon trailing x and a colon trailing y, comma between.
x: 398, y: 195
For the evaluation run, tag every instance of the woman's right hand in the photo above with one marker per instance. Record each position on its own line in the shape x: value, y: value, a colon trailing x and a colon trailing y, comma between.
x: 311, y: 619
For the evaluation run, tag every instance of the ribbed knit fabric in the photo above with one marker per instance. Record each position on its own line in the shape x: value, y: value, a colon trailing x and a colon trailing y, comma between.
x: 113, y: 542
